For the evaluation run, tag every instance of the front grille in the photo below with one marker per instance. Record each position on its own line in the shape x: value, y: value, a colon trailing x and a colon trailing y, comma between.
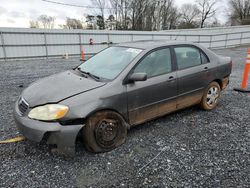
x: 22, y: 106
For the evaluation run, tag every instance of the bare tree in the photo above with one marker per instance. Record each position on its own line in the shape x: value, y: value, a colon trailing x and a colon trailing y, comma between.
x: 239, y: 12
x: 101, y: 6
x: 173, y: 18
x: 161, y: 11
x: 215, y: 23
x: 114, y: 11
x: 207, y: 9
x: 144, y: 14
x: 169, y: 14
x: 189, y: 16
x: 46, y: 21
x: 150, y: 16
x: 34, y: 24
x: 72, y: 23
x: 132, y: 14
x: 139, y: 9
x: 121, y: 9
x: 189, y: 12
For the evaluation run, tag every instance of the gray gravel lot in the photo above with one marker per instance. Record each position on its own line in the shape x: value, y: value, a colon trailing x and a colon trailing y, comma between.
x: 190, y: 148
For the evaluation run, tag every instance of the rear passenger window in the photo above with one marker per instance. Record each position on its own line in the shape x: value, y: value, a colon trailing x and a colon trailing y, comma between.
x: 155, y: 63
x: 187, y: 57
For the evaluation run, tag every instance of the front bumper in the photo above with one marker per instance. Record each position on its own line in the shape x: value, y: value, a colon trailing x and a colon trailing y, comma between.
x: 63, y: 136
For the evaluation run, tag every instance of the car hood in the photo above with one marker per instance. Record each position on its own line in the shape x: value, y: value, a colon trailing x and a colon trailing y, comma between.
x: 57, y: 87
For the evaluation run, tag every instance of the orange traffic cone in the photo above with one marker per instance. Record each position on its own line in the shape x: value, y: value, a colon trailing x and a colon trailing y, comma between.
x: 245, y: 86
x: 82, y: 54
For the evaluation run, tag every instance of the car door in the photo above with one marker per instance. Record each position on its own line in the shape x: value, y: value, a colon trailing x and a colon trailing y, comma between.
x: 192, y: 75
x: 157, y: 95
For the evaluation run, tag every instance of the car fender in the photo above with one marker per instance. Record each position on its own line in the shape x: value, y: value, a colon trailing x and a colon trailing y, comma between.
x: 85, y: 104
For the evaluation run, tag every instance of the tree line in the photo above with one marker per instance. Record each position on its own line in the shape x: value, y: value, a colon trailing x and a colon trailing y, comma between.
x: 154, y: 15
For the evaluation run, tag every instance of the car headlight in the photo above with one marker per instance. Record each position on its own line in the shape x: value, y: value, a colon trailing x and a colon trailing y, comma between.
x: 48, y: 112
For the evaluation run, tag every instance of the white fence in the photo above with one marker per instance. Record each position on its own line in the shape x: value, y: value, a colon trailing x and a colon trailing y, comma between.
x: 17, y: 43
x: 212, y: 30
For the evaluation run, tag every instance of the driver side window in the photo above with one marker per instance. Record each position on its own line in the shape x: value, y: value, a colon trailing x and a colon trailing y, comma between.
x: 156, y: 63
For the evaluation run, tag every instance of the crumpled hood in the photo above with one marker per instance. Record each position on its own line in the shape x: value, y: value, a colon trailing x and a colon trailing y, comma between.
x: 57, y: 87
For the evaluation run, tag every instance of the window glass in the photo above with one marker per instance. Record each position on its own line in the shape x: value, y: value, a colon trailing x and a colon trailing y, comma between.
x: 156, y: 63
x: 110, y: 62
x: 187, y: 57
x: 204, y: 58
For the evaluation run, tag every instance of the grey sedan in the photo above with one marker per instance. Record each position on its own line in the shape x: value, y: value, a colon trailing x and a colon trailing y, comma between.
x: 120, y: 87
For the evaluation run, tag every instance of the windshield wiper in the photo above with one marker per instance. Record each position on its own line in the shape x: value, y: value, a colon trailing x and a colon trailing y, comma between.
x: 89, y: 74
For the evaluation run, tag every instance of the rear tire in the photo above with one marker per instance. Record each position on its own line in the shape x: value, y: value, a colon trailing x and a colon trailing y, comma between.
x: 211, y: 96
x: 104, y: 131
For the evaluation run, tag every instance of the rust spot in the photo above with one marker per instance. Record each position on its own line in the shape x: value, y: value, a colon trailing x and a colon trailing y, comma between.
x: 225, y: 82
x: 189, y: 100
x: 160, y: 109
x: 150, y: 112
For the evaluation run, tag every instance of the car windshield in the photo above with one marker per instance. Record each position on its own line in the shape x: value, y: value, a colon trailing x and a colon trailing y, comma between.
x: 110, y: 62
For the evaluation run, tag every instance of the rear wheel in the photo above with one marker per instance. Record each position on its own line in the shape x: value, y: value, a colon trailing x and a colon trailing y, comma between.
x: 211, y: 96
x: 104, y: 131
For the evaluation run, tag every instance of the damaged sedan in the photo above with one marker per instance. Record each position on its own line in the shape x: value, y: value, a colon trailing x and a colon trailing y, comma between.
x: 122, y: 86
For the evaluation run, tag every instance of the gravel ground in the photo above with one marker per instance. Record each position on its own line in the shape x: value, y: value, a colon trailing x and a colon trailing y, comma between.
x: 190, y: 148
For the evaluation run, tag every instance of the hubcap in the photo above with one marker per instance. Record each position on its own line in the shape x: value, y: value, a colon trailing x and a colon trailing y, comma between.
x: 106, y: 132
x: 212, y: 96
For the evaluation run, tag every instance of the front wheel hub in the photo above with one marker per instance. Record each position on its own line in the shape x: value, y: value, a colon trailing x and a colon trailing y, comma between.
x: 106, y: 132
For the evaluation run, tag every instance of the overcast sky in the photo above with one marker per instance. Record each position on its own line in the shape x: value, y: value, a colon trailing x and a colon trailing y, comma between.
x: 18, y: 13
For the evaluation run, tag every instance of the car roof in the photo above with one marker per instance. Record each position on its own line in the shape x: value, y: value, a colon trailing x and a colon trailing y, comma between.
x: 151, y: 44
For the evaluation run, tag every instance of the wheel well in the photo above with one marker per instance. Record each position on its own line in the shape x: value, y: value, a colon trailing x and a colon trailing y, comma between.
x: 108, y: 109
x: 219, y: 82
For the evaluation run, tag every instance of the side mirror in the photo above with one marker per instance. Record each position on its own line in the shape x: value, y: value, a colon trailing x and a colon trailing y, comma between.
x: 136, y: 77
